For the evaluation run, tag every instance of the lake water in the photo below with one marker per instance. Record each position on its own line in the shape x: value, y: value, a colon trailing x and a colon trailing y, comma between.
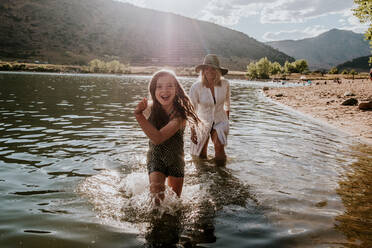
x: 73, y: 174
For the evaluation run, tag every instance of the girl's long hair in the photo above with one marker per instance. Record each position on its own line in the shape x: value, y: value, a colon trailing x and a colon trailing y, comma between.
x: 182, y: 105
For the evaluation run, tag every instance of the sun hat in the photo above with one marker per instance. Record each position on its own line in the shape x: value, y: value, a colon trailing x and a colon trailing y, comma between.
x: 212, y: 61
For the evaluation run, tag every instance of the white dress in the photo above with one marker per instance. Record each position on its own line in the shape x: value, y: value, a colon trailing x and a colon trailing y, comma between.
x: 212, y: 114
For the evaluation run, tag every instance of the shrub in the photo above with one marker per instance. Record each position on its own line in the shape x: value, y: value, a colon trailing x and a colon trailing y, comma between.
x: 333, y: 70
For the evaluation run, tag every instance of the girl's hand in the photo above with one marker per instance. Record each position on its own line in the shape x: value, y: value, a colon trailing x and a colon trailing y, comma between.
x: 194, y: 137
x: 141, y: 106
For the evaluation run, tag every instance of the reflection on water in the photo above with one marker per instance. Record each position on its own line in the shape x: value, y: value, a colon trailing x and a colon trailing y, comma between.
x: 73, y: 174
x: 164, y: 231
x: 355, y: 189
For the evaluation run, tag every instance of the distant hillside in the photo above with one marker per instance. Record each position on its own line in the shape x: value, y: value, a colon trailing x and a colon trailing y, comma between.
x: 359, y: 64
x: 74, y: 32
x: 326, y: 50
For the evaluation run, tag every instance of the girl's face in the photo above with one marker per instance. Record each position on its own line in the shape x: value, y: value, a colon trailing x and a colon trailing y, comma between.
x: 165, y: 91
x: 210, y: 73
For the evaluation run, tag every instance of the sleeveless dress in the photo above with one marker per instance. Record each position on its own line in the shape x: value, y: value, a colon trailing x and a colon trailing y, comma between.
x: 167, y: 157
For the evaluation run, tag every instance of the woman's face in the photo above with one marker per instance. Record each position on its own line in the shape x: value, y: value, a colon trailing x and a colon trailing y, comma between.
x: 210, y: 73
x: 165, y: 91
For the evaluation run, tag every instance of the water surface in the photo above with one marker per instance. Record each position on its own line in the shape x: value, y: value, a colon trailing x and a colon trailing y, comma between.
x: 73, y: 174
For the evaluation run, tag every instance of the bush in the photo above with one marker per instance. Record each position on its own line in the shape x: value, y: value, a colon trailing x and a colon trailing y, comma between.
x: 275, y: 68
x: 263, y: 69
x: 113, y: 66
x: 333, y: 70
x: 6, y: 67
x: 252, y: 72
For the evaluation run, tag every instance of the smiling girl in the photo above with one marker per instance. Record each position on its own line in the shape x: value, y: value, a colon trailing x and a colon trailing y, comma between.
x: 170, y: 110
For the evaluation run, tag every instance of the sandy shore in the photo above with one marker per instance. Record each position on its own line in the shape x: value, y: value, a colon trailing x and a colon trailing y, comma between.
x: 322, y: 100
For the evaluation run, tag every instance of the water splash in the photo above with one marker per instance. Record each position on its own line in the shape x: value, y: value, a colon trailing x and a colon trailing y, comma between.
x: 126, y: 198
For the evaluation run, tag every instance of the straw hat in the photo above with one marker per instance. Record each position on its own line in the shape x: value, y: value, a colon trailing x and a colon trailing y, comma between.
x: 212, y: 61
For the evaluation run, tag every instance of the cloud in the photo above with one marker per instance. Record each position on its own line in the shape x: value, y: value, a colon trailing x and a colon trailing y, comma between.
x: 295, y: 34
x: 299, y: 11
x: 229, y: 12
x: 351, y: 22
x: 305, y: 17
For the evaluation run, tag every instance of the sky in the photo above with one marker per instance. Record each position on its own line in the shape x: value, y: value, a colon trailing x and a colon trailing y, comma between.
x: 266, y: 20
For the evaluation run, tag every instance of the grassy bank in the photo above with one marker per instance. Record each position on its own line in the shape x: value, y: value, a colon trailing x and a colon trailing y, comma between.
x: 136, y: 70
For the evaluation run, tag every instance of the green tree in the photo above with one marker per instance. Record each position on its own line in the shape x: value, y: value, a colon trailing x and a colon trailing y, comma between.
x: 333, y: 70
x: 353, y: 72
x: 300, y: 65
x: 263, y: 68
x: 364, y: 12
x: 252, y: 71
x: 289, y: 67
x: 113, y: 66
x: 275, y: 68
x: 95, y: 65
x: 344, y: 72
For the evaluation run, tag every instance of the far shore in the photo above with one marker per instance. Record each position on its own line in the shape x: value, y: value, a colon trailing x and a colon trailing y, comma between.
x: 130, y: 70
x: 180, y: 71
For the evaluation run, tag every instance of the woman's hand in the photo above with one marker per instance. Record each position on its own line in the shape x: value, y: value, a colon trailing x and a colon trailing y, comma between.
x: 141, y: 106
x: 194, y: 137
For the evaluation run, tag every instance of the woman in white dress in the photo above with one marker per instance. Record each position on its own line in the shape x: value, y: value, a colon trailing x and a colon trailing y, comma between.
x: 210, y: 96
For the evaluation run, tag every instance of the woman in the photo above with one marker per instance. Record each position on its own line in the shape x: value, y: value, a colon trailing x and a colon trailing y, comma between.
x: 210, y: 96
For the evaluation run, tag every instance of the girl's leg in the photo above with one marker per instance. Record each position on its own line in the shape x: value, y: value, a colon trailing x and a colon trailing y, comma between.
x: 176, y: 184
x: 157, y: 185
x: 203, y: 153
x: 219, y: 148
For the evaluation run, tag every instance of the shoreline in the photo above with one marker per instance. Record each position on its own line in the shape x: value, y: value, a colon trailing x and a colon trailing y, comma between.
x: 179, y: 70
x: 7, y: 66
x: 322, y: 101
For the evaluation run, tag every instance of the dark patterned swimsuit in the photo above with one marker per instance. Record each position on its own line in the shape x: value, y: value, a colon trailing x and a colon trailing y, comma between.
x: 167, y: 157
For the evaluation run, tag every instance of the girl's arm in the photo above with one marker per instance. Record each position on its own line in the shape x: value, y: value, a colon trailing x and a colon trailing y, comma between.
x: 157, y: 136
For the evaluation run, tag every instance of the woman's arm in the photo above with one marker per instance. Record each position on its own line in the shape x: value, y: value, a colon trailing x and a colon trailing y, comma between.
x: 156, y: 136
x: 194, y: 97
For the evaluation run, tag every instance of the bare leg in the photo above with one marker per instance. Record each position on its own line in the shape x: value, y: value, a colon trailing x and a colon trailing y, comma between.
x: 157, y: 186
x: 219, y: 148
x: 203, y: 153
x: 176, y: 184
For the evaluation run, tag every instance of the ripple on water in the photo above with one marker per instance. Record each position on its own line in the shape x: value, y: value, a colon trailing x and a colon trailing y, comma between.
x: 288, y: 178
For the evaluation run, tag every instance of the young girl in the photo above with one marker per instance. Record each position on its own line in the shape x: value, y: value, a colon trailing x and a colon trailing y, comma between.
x: 165, y: 126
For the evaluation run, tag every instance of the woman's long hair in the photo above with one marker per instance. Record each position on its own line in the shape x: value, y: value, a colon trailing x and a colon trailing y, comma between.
x: 183, y: 107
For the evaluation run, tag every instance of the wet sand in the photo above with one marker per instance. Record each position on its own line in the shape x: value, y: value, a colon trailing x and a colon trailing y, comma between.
x: 322, y: 100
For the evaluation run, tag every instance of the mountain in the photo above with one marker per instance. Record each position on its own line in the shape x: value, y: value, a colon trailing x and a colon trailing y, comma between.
x: 326, y: 50
x: 359, y: 64
x: 75, y: 32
